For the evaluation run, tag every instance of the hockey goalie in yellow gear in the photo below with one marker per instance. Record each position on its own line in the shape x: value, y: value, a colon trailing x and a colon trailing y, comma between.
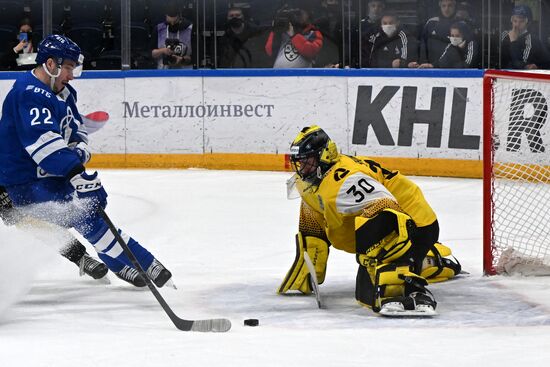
x: 356, y: 205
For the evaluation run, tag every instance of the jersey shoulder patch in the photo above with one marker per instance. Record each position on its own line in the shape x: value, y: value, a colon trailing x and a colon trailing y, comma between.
x: 357, y: 192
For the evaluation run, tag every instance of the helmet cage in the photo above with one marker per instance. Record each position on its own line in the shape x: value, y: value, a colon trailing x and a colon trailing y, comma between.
x: 312, y: 154
x: 307, y: 165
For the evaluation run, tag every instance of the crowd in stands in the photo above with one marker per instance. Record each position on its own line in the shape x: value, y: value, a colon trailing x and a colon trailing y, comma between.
x: 287, y: 33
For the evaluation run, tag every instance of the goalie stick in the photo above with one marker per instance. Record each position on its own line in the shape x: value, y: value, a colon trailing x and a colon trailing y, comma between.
x: 215, y: 325
x: 314, y: 281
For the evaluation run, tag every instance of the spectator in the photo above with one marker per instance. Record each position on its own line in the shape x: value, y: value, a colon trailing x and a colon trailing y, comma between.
x: 21, y: 52
x: 328, y: 20
x: 519, y: 48
x: 370, y: 26
x: 389, y: 46
x: 375, y: 10
x: 465, y: 13
x: 435, y: 35
x: 237, y: 44
x: 461, y: 52
x: 294, y: 42
x: 171, y: 40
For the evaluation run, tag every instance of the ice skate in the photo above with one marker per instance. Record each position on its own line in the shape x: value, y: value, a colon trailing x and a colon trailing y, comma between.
x: 90, y: 266
x: 159, y: 274
x: 131, y: 276
x: 416, y: 304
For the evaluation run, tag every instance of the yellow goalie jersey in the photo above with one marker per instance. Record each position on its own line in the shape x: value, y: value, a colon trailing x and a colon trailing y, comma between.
x: 356, y: 186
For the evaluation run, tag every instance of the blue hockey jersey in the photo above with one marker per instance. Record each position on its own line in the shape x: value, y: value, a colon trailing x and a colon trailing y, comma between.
x: 35, y: 129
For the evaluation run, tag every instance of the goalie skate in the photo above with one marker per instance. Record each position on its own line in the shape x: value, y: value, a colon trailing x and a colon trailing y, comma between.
x: 414, y: 305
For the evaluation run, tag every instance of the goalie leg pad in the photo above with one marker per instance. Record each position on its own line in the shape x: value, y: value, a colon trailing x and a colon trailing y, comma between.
x: 298, y: 278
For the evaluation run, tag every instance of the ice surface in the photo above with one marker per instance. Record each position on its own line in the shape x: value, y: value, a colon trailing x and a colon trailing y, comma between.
x: 228, y: 238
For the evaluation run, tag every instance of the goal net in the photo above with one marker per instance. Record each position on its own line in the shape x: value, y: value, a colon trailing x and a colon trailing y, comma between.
x: 516, y: 182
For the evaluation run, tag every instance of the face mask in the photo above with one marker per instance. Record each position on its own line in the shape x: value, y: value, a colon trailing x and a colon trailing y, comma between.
x: 389, y: 29
x: 235, y: 22
x: 174, y: 28
x: 455, y: 41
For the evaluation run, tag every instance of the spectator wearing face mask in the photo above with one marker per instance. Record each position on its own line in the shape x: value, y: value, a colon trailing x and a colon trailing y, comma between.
x: 461, y: 52
x: 390, y: 47
x: 435, y: 35
x: 519, y: 48
x: 171, y: 40
x: 370, y: 26
x: 240, y: 46
x: 21, y: 53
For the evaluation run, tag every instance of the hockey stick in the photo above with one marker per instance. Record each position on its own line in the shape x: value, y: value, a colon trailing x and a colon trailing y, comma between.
x: 215, y: 325
x: 314, y: 281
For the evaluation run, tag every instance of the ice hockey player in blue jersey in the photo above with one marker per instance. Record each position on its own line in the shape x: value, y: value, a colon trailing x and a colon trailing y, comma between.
x: 72, y: 249
x: 43, y: 149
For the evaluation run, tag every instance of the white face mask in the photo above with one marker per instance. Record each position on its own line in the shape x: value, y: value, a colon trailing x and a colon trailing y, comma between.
x: 389, y: 29
x: 456, y: 41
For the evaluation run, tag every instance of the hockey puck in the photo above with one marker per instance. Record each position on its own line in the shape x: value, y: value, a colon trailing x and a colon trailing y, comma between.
x: 251, y: 322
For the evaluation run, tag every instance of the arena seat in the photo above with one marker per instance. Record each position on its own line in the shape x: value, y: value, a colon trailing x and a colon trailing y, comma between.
x: 89, y: 36
x: 87, y: 11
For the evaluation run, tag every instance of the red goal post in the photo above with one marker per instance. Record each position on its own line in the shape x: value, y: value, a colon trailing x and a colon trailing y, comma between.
x: 516, y: 173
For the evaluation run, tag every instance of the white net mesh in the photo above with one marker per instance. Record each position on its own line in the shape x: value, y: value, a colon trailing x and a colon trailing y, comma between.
x: 521, y: 176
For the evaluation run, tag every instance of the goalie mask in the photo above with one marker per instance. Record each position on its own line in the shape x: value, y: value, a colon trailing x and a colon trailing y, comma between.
x: 312, y: 153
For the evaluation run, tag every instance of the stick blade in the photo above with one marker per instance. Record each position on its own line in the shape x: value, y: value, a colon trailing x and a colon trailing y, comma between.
x: 314, y: 282
x: 211, y: 325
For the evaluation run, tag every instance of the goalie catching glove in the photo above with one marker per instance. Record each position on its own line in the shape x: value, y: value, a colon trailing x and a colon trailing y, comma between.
x: 298, y: 277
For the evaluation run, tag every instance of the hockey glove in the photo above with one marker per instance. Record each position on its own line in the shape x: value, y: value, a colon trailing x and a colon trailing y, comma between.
x: 82, y: 150
x: 89, y: 187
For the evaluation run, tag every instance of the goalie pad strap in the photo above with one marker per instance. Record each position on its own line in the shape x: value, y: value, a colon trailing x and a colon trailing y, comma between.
x: 298, y: 278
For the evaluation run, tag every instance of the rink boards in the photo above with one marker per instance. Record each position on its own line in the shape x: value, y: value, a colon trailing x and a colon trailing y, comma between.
x: 423, y: 122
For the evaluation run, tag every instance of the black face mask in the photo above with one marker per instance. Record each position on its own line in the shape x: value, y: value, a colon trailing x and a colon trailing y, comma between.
x: 235, y: 22
x: 173, y: 28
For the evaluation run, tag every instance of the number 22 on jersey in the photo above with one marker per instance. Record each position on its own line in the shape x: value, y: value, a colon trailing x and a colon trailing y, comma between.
x: 36, y: 116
